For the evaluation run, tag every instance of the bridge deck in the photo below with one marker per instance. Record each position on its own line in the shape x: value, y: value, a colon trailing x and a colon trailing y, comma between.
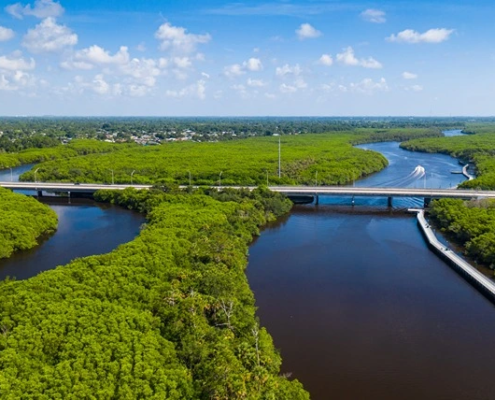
x: 289, y: 190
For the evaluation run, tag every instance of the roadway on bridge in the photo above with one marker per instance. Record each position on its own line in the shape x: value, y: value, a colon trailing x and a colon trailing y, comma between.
x: 289, y: 190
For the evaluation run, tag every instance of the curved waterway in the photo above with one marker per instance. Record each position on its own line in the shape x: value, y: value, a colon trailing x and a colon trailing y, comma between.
x: 358, y: 305
x: 84, y: 228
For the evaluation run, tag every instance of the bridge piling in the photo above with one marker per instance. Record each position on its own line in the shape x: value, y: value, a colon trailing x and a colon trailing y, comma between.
x: 426, y: 202
x: 40, y: 193
x: 389, y: 201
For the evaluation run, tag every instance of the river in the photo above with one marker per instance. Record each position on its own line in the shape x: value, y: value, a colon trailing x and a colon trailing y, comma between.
x: 85, y: 228
x: 358, y: 305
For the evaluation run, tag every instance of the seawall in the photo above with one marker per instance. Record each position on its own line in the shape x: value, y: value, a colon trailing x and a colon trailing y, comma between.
x: 466, y: 270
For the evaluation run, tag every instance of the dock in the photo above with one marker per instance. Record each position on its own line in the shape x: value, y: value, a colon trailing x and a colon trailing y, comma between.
x: 466, y: 270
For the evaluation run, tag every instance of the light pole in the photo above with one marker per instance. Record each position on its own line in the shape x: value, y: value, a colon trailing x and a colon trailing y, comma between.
x: 267, y: 178
x: 111, y: 170
x: 132, y: 173
x: 35, y: 171
x: 220, y: 178
x: 316, y: 178
x: 189, y: 178
x: 425, y: 181
x: 11, y: 176
x: 279, y: 156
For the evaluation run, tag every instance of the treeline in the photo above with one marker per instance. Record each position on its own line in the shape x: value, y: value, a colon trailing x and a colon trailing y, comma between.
x: 471, y: 224
x: 168, y: 316
x: 478, y: 148
x: 22, y: 221
x: 74, y: 149
x: 17, y: 134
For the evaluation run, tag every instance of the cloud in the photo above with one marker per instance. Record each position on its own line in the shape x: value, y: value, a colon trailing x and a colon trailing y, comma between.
x: 236, y: 70
x: 233, y: 71
x: 255, y: 83
x: 197, y: 90
x: 288, y: 70
x: 414, y: 88
x: 100, y: 86
x: 409, y: 75
x: 6, y: 34
x: 437, y: 35
x: 48, y: 36
x: 42, y: 9
x: 368, y: 86
x: 99, y: 56
x: 306, y: 31
x: 144, y: 71
x: 253, y: 64
x: 348, y: 58
x: 177, y: 39
x: 375, y: 16
x: 16, y: 64
x: 326, y: 60
x: 12, y: 81
x: 296, y: 85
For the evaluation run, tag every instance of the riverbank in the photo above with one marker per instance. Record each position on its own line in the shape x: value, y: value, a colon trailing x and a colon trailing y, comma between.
x: 23, y: 222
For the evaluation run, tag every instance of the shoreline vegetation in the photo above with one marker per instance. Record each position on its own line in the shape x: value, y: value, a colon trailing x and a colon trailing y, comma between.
x: 168, y: 315
x: 23, y: 221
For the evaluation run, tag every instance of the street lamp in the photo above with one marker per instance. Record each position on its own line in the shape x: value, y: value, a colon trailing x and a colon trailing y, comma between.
x: 11, y: 177
x: 35, y: 171
x: 220, y: 178
x: 316, y: 178
x: 189, y: 178
x: 132, y: 173
x: 112, y: 175
x: 267, y: 178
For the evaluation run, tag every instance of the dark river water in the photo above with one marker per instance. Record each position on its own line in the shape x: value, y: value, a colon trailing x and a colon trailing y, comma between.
x: 358, y: 305
x: 85, y: 228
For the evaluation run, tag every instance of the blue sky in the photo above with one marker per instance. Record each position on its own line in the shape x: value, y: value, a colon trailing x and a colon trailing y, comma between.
x: 280, y: 57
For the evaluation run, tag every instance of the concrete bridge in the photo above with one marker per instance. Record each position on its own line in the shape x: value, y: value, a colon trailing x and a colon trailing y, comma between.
x: 309, y: 191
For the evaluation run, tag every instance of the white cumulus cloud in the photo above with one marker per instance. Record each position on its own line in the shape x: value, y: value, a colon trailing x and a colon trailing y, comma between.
x: 99, y: 56
x: 6, y: 34
x: 288, y: 70
x: 326, y: 60
x: 348, y: 58
x: 306, y: 31
x: 16, y: 64
x: 369, y: 86
x: 375, y: 16
x: 253, y: 64
x: 409, y: 75
x: 41, y: 9
x: 177, y: 39
x: 48, y: 36
x: 436, y: 35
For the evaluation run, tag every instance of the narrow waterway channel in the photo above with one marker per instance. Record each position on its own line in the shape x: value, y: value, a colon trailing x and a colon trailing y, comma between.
x: 85, y: 228
x: 358, y: 305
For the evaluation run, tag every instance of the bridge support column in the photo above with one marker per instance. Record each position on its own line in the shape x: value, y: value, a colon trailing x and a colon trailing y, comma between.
x: 317, y: 199
x: 389, y: 201
x: 352, y: 201
x: 40, y: 193
x: 426, y: 202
